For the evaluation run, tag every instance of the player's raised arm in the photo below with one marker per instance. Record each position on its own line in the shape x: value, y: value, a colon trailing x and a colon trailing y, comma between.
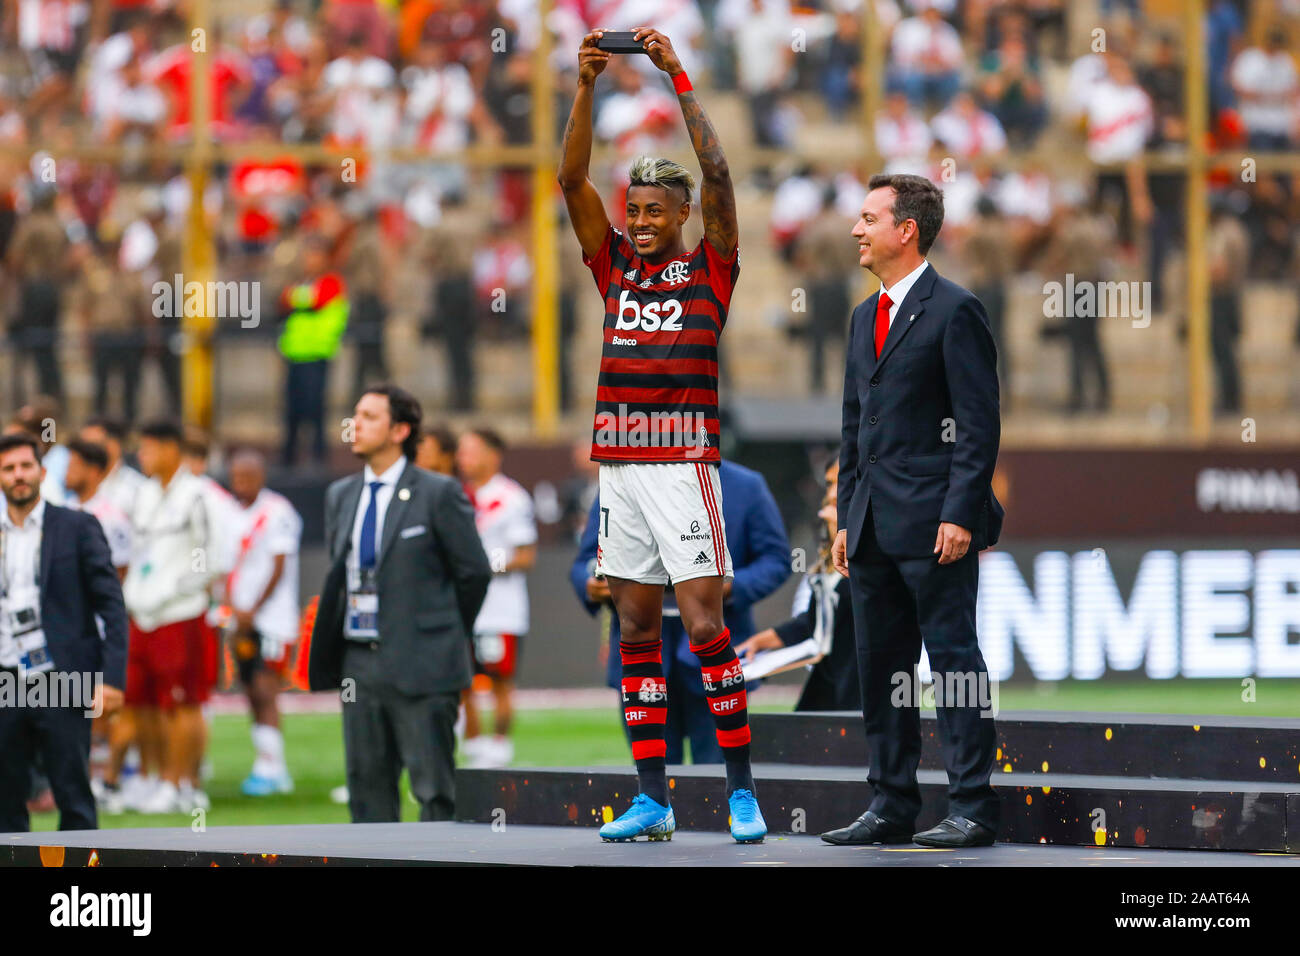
x: 586, y: 211
x: 717, y: 197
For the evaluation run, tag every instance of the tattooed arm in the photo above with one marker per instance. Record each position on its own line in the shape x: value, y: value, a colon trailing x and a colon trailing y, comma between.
x: 586, y: 211
x: 717, y: 197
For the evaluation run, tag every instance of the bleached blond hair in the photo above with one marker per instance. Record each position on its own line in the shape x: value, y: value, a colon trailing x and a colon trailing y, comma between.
x: 651, y: 171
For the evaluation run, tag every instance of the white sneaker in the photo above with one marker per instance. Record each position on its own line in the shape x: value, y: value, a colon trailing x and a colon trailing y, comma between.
x: 340, y: 795
x: 507, y: 751
x: 108, y: 799
x: 137, y: 790
x: 473, y: 750
x: 190, y: 798
x: 497, y: 753
x: 164, y: 799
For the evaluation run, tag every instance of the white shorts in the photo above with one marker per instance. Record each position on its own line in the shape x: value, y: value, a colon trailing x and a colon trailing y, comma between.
x: 661, y: 522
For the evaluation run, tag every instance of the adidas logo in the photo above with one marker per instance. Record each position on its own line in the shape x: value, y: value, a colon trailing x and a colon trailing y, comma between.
x: 647, y: 283
x: 701, y: 558
x: 630, y: 275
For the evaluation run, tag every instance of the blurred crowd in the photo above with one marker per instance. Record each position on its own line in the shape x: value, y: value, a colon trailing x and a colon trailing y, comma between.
x: 441, y: 74
x: 995, y: 99
x: 971, y: 85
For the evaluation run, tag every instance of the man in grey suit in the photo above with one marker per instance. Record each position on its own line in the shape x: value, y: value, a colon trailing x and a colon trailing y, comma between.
x: 406, y: 578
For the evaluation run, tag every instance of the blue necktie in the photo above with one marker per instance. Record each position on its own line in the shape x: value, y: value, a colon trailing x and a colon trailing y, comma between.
x: 366, y: 555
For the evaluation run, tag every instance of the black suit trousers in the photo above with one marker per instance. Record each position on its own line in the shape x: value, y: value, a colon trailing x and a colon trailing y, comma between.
x: 61, y: 735
x: 899, y: 602
x: 385, y: 730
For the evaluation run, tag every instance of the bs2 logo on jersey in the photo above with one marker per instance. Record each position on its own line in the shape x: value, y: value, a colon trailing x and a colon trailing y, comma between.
x: 665, y: 316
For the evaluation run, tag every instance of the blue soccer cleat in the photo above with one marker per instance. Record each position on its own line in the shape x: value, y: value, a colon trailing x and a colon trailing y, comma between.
x: 255, y: 785
x: 747, y: 824
x: 646, y: 817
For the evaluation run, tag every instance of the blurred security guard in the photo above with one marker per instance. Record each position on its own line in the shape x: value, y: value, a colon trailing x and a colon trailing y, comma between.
x: 55, y: 577
x: 38, y: 259
x: 406, y: 580
x: 317, y: 311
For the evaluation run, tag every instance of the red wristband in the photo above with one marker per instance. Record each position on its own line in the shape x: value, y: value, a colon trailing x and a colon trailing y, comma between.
x: 682, y: 83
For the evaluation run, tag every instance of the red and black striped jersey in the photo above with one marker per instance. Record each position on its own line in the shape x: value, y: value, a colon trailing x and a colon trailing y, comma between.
x: 657, y: 398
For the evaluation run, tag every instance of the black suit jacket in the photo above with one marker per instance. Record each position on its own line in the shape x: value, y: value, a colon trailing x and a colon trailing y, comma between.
x: 78, y: 581
x: 432, y: 577
x: 921, y: 424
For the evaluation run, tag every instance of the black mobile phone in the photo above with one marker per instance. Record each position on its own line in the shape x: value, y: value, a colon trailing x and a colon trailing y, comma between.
x: 620, y: 41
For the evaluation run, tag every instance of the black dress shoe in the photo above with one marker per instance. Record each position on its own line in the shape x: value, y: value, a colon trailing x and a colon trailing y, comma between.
x: 868, y: 829
x: 956, y: 832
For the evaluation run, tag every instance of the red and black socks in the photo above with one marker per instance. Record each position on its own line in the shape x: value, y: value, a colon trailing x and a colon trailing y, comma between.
x: 724, y: 686
x: 645, y: 708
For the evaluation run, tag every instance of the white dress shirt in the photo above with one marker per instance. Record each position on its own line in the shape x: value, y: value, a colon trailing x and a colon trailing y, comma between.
x: 22, y: 555
x: 903, y: 286
x: 385, y: 495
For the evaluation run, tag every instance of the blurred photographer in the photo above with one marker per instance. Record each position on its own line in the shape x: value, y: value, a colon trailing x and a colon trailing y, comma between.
x: 827, y: 615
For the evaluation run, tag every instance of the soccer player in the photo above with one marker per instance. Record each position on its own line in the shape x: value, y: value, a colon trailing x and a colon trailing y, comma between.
x: 85, y: 482
x: 166, y: 594
x: 437, y: 450
x: 262, y: 592
x: 195, y: 451
x: 656, y: 432
x: 121, y: 482
x: 503, y: 514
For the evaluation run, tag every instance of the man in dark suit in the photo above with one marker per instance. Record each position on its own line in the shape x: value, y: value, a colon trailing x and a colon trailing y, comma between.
x: 56, y: 576
x: 916, y: 505
x: 407, y: 576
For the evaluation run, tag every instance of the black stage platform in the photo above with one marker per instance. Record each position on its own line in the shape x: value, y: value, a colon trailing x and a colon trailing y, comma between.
x: 465, y: 844
x: 1068, y: 779
x: 1264, y: 749
x: 1058, y: 809
x: 1077, y: 789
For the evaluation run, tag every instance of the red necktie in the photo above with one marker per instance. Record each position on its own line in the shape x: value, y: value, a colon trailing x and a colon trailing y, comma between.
x: 882, y: 321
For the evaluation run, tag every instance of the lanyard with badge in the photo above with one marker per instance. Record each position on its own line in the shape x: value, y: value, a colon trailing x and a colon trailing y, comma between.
x: 22, y: 609
x: 363, y: 605
x: 363, y: 597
